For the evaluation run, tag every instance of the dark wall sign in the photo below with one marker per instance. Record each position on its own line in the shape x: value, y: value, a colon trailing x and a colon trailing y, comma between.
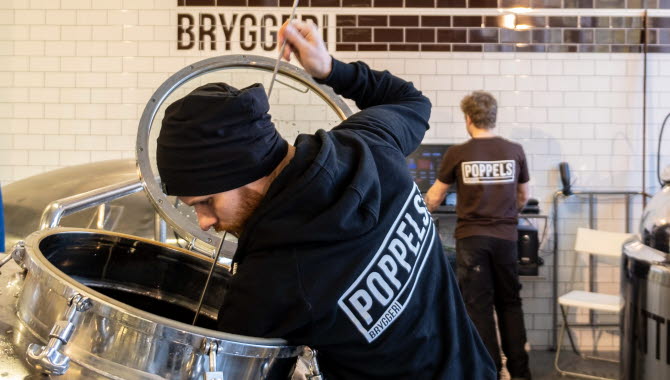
x: 248, y: 25
x: 226, y: 31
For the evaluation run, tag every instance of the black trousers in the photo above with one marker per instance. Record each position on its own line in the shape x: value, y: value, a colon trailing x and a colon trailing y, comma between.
x: 488, y: 277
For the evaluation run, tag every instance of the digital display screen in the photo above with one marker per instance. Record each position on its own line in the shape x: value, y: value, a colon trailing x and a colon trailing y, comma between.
x: 424, y: 164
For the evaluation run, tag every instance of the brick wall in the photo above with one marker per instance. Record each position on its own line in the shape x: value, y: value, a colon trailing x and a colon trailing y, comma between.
x: 537, y: 33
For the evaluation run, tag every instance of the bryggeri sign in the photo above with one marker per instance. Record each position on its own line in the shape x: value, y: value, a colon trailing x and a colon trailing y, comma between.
x: 381, y: 293
x: 224, y: 31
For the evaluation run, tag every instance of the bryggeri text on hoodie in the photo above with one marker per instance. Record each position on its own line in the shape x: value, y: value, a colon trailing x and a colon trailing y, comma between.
x: 380, y: 294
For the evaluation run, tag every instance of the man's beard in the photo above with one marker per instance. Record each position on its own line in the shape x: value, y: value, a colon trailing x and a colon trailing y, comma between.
x: 249, y: 201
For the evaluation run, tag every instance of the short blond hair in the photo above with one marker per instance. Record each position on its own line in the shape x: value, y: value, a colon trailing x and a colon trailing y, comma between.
x: 482, y: 109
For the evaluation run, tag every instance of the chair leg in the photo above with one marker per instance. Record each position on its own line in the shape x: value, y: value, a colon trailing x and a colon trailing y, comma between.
x: 602, y: 359
x: 564, y: 327
x: 595, y: 351
x: 558, y: 349
x: 597, y: 335
x: 564, y: 313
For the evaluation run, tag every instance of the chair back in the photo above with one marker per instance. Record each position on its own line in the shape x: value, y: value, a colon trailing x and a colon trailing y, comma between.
x: 603, y: 243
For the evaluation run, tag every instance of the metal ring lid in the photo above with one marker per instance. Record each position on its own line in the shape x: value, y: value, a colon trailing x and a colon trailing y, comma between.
x: 184, y: 225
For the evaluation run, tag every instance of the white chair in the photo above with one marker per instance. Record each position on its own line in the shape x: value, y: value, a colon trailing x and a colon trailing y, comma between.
x: 590, y: 242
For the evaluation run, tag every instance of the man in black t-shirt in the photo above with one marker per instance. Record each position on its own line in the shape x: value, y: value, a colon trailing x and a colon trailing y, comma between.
x: 492, y: 185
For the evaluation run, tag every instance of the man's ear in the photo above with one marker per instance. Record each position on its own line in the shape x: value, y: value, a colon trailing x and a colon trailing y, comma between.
x: 468, y: 120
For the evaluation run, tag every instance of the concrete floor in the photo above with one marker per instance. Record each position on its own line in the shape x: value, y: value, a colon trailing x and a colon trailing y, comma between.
x: 542, y: 365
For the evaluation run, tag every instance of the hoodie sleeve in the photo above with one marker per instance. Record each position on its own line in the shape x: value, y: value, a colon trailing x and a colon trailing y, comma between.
x: 392, y: 108
x: 265, y: 299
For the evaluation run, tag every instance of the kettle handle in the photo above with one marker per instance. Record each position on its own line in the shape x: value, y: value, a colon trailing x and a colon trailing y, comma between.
x: 48, y: 359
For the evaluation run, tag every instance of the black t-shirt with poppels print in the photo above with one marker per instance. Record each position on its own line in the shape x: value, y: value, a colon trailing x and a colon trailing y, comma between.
x: 487, y: 172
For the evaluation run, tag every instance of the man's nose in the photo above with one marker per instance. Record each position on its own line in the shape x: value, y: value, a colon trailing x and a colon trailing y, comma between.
x: 206, y: 222
x: 206, y: 219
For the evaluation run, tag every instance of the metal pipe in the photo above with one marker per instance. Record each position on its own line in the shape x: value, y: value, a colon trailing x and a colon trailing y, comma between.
x: 611, y: 193
x: 281, y: 51
x: 56, y: 210
x: 5, y: 260
x: 592, y: 258
x: 160, y: 229
x: 102, y: 214
x: 595, y: 324
x: 554, y: 280
x: 219, y: 248
x: 644, y: 107
x: 628, y: 214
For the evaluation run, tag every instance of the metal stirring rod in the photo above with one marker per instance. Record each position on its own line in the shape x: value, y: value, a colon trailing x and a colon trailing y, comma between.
x: 209, y: 277
x: 281, y: 51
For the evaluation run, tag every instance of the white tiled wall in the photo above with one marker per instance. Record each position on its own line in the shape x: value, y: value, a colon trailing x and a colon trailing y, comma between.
x: 75, y: 76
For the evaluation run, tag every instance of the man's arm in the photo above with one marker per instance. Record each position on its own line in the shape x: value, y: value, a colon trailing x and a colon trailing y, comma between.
x: 522, y: 195
x: 436, y: 194
x: 522, y: 192
x: 402, y: 116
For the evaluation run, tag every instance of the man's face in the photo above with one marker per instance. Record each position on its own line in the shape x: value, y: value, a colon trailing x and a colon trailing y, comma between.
x: 226, y: 211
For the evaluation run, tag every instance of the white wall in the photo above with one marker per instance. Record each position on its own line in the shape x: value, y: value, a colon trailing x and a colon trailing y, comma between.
x: 75, y: 76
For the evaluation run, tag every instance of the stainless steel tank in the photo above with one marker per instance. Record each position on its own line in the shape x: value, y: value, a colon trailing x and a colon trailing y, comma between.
x: 645, y: 287
x: 98, y: 304
x: 105, y: 305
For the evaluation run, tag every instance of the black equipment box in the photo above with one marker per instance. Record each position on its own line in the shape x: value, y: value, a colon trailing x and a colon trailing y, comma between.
x: 528, y: 246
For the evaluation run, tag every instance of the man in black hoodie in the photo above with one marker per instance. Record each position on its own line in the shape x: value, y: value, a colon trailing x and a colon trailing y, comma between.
x: 336, y: 248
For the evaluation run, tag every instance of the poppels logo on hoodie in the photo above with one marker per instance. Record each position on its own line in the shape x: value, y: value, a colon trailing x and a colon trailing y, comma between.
x: 379, y: 295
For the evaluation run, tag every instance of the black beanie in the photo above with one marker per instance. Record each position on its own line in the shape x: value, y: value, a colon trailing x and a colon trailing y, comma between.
x: 217, y: 138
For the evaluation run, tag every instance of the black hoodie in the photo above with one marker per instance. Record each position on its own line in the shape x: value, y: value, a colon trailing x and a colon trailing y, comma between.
x: 342, y: 254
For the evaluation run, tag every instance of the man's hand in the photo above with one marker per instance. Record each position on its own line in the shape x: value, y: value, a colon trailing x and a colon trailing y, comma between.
x: 303, y: 40
x: 436, y: 194
x: 522, y: 195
